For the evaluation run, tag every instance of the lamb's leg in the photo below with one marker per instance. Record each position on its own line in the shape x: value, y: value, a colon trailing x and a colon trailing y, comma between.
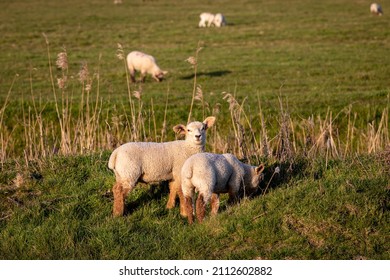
x: 214, y: 203
x: 190, y: 209
x: 172, y: 195
x: 142, y: 79
x: 233, y: 197
x: 175, y: 189
x: 119, y: 201
x: 183, y: 209
x: 120, y: 194
x: 132, y: 76
x: 200, y: 208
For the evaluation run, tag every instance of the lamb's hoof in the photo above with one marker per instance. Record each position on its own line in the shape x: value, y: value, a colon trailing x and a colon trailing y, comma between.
x: 183, y: 214
x: 170, y: 205
x: 117, y: 214
x: 118, y: 211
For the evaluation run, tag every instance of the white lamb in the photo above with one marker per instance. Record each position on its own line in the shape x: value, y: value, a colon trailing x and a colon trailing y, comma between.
x: 212, y: 174
x: 376, y: 9
x: 155, y: 162
x: 144, y: 63
x: 206, y: 19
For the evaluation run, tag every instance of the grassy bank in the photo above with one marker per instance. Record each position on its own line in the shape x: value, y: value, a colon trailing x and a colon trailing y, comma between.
x: 307, y: 212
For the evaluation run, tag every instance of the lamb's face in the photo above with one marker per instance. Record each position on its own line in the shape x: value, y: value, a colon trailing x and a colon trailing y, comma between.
x: 257, y: 175
x: 195, y: 132
x: 256, y: 178
x: 159, y: 75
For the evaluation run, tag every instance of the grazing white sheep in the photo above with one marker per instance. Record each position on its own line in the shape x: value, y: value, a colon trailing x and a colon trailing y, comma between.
x: 144, y: 63
x: 212, y: 174
x: 155, y: 162
x: 219, y: 20
x: 206, y: 19
x: 376, y: 9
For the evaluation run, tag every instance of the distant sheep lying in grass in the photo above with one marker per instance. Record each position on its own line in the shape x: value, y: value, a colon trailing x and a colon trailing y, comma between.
x: 155, y: 162
x: 376, y: 9
x: 208, y: 19
x: 144, y: 63
x: 212, y: 174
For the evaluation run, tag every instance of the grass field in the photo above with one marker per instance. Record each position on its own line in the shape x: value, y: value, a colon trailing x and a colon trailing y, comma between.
x: 301, y: 85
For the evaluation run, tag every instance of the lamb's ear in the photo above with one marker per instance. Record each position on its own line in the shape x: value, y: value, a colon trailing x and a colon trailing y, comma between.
x: 209, y: 122
x: 259, y: 169
x: 179, y: 129
x: 165, y: 72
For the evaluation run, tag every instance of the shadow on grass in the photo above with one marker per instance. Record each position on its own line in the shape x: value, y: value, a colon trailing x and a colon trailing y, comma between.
x: 275, y: 175
x: 155, y: 192
x: 212, y: 74
x: 281, y: 173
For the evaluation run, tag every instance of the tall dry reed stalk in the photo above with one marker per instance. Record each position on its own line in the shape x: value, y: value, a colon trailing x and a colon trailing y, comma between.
x: 77, y: 135
x: 5, y: 134
x: 30, y: 121
x: 193, y: 60
x: 235, y: 110
x: 377, y: 137
x: 284, y: 146
x: 164, y: 125
x: 62, y: 105
x: 264, y: 149
x: 121, y: 56
x: 247, y: 145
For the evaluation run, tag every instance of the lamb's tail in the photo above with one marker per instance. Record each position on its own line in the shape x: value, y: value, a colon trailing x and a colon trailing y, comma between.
x: 187, y: 173
x: 186, y: 184
x: 112, y: 160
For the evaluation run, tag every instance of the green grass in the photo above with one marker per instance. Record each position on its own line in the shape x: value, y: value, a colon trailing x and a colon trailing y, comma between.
x: 338, y: 212
x: 297, y: 62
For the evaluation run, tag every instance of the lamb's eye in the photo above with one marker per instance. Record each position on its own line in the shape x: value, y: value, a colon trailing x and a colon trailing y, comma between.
x: 188, y: 130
